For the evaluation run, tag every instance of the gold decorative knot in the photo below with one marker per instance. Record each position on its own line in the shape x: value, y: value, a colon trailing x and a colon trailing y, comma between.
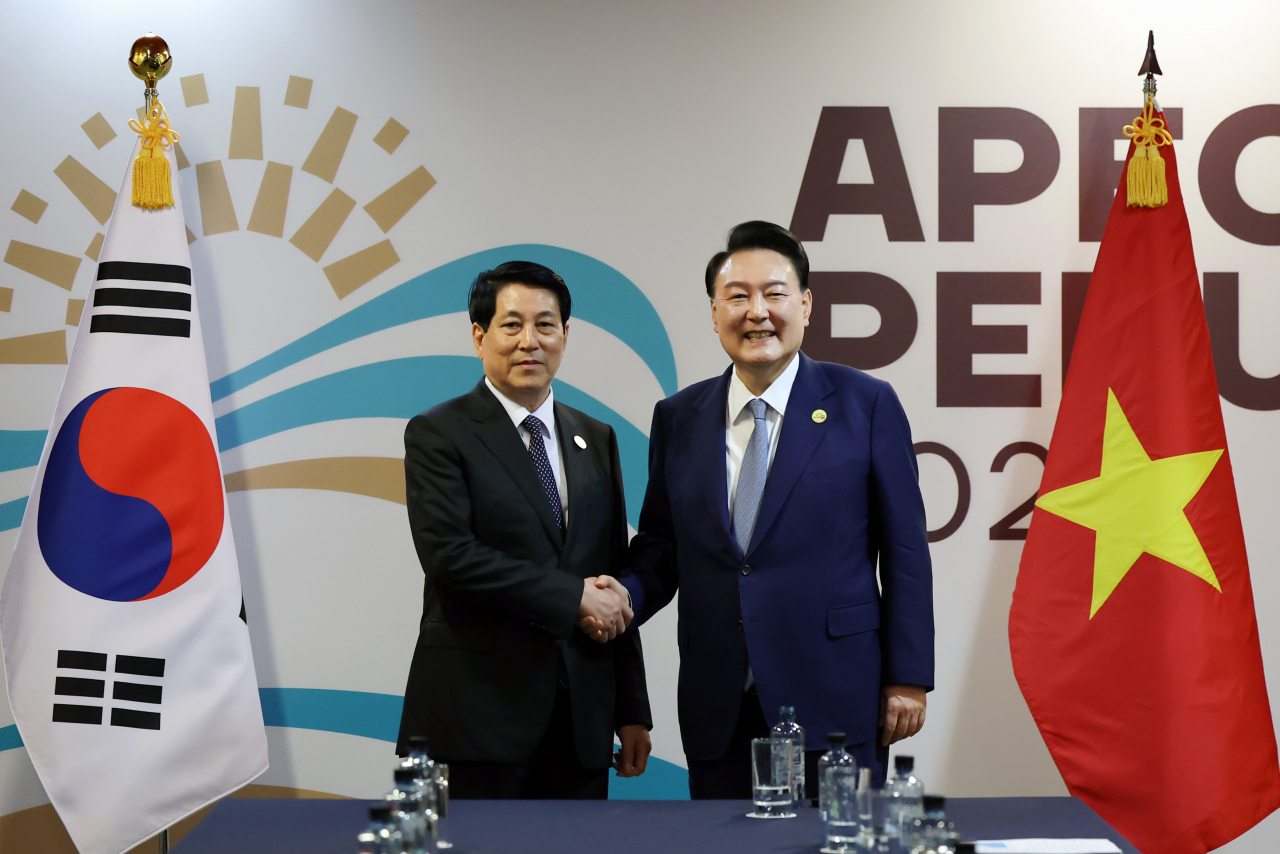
x: 155, y: 131
x: 1148, y: 130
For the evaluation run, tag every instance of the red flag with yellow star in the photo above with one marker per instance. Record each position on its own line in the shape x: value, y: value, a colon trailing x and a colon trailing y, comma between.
x: 1132, y: 629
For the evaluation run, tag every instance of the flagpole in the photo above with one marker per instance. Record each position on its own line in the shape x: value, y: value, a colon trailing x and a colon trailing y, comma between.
x: 149, y: 60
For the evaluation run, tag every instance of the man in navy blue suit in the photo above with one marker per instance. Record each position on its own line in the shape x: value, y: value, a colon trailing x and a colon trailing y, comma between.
x: 775, y: 492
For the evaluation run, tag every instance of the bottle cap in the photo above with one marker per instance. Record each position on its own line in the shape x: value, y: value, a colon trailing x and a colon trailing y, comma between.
x: 904, y: 763
x: 787, y: 710
x: 380, y: 812
x: 934, y: 803
x: 835, y: 739
x: 405, y: 775
x: 418, y: 742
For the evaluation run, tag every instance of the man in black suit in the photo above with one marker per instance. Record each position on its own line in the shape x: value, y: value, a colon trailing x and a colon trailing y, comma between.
x: 516, y: 507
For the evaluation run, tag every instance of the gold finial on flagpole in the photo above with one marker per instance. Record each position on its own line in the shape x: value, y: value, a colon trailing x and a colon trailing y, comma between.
x: 149, y: 60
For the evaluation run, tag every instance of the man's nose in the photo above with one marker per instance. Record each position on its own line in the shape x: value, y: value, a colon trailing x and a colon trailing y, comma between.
x: 757, y: 308
x: 528, y: 340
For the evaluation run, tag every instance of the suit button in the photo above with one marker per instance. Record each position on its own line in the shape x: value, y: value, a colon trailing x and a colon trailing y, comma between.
x: 739, y: 625
x: 746, y: 570
x: 559, y: 643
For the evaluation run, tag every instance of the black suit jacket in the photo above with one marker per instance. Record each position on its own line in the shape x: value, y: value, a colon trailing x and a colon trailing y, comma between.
x: 503, y: 585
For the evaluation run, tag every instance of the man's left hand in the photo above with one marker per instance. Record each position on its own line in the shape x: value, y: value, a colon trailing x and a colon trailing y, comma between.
x: 901, y: 712
x: 631, y: 759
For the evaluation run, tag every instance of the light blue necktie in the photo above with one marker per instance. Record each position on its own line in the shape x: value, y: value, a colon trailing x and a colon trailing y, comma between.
x: 751, y: 478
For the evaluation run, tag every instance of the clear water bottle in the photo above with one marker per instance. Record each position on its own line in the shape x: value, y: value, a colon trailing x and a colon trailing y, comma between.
x: 406, y: 801
x: 426, y: 792
x: 788, y: 728
x: 907, y: 797
x: 435, y: 781
x: 837, y: 797
x: 386, y: 830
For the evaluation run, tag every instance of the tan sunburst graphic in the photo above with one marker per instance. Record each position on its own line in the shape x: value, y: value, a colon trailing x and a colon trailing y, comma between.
x: 386, y: 206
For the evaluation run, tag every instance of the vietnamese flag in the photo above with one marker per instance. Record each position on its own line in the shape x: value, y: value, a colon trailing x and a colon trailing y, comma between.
x: 1132, y: 629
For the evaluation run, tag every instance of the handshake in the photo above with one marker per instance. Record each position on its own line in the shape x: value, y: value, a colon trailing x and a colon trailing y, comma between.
x: 605, y: 609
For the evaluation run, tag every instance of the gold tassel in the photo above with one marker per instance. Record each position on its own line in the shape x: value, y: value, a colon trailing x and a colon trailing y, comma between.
x: 152, y: 182
x: 1147, y: 187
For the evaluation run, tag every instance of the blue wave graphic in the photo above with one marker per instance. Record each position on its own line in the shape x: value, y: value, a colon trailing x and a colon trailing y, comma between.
x: 601, y: 296
x: 11, y: 514
x: 377, y: 716
x: 348, y: 712
x: 20, y: 449
x: 401, y: 388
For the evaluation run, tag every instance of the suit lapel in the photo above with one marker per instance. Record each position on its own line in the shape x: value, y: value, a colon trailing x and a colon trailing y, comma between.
x: 801, y: 435
x: 500, y: 436
x: 707, y: 452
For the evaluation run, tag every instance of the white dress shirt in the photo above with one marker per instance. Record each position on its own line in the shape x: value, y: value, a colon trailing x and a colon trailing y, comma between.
x: 739, y: 422
x: 545, y: 413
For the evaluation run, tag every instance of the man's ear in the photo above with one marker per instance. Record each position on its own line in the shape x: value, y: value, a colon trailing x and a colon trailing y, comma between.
x: 715, y: 325
x: 806, y: 300
x: 477, y: 338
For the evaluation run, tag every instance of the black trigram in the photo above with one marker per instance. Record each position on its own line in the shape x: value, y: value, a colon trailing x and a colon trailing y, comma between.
x: 87, y: 687
x: 137, y: 324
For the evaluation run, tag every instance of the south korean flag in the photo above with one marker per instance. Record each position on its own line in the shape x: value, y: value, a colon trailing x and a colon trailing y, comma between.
x: 125, y: 649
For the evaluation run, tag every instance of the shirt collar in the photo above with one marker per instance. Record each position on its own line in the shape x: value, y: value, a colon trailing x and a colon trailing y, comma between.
x: 776, y: 395
x: 545, y: 413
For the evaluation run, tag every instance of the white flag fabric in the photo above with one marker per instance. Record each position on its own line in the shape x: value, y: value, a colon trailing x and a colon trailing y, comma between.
x: 125, y: 650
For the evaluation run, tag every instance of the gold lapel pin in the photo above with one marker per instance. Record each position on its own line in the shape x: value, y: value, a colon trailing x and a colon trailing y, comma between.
x: 819, y: 415
x: 580, y: 442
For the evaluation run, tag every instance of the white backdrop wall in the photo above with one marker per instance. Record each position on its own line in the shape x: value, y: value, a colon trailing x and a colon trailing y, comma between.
x: 618, y: 142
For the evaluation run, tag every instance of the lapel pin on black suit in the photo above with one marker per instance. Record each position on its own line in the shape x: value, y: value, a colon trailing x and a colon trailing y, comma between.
x: 819, y: 415
x: 580, y: 442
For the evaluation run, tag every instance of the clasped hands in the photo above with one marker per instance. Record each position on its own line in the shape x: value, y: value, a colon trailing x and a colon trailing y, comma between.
x: 605, y: 610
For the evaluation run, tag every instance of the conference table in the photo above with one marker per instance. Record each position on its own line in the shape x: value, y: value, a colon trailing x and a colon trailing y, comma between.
x: 278, y: 826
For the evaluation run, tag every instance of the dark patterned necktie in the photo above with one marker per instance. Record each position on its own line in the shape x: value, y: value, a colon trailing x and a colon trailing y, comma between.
x: 538, y: 450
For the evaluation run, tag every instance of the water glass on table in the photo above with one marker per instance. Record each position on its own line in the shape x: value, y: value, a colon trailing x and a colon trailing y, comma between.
x: 772, y: 777
x: 441, y: 773
x: 883, y: 832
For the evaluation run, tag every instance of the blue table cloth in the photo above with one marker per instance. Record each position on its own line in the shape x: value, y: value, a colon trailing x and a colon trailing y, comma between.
x: 248, y: 826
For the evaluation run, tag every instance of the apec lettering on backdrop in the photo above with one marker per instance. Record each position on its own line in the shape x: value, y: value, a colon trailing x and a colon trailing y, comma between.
x: 962, y: 189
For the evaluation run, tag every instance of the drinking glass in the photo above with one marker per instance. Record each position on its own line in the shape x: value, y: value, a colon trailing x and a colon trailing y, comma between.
x: 884, y: 824
x: 442, y: 804
x: 772, y: 777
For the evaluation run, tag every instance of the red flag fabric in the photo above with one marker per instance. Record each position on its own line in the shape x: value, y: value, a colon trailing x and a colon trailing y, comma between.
x: 1132, y: 628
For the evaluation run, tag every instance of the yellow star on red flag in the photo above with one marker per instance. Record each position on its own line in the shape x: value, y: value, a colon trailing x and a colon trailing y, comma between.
x: 1136, y: 506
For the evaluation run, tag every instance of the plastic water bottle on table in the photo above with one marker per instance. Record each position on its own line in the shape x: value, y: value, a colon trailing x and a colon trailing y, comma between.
x: 837, y: 797
x: 788, y: 728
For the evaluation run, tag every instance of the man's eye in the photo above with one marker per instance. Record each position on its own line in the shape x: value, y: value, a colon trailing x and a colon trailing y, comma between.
x: 738, y: 298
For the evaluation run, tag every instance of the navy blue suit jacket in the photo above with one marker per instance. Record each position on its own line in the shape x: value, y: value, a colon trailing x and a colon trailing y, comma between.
x: 802, y: 606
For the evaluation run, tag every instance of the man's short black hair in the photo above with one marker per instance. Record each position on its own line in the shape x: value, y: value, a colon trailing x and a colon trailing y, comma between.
x: 482, y: 299
x: 758, y: 234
